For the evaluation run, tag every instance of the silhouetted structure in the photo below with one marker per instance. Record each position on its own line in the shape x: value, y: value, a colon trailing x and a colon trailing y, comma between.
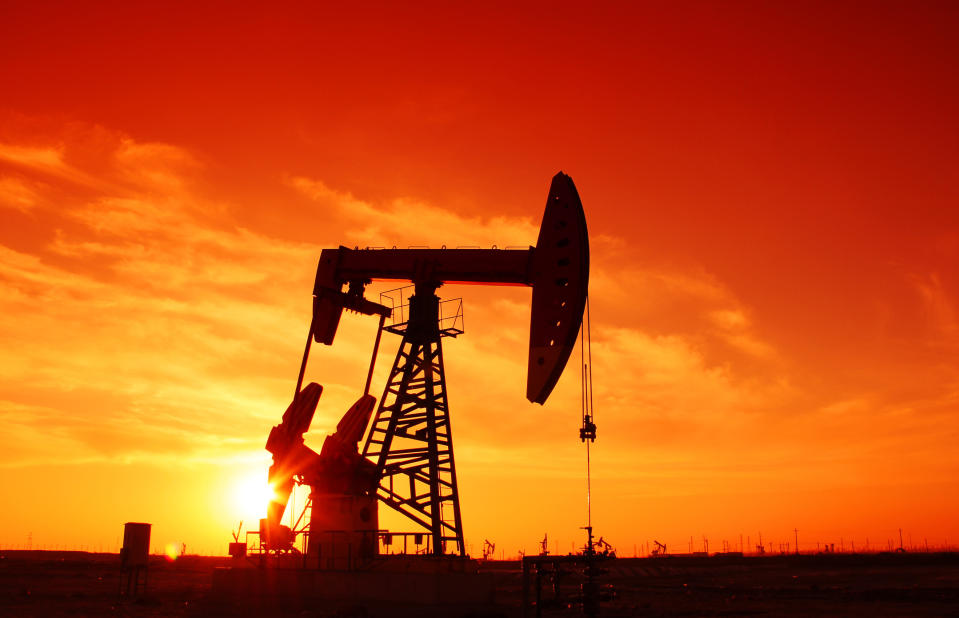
x: 134, y: 558
x: 407, y: 461
x: 489, y: 550
x: 553, y: 571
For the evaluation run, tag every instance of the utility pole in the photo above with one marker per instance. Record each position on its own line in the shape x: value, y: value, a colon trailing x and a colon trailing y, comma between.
x: 796, y: 533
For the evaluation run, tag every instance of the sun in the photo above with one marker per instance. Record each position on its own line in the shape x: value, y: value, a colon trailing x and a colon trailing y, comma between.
x: 251, y: 494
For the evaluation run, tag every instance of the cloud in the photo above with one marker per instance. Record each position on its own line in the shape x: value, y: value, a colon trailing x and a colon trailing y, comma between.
x: 152, y: 325
x: 17, y: 194
x: 937, y: 309
x: 48, y: 162
x: 149, y: 324
x: 48, y: 159
x: 405, y: 222
x: 661, y: 340
x: 171, y: 330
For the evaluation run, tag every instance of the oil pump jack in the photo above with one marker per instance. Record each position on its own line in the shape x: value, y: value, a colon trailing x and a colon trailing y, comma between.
x: 407, y: 459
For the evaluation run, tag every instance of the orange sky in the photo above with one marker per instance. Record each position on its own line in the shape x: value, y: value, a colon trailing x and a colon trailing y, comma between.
x: 771, y: 194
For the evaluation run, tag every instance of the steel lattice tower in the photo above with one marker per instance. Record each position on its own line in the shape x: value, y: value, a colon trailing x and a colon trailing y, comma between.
x: 411, y: 439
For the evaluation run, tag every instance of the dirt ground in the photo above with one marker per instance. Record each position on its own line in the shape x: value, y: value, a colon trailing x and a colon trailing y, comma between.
x: 34, y: 583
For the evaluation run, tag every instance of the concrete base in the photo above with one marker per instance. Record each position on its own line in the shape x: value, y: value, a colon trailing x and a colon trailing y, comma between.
x: 401, y: 588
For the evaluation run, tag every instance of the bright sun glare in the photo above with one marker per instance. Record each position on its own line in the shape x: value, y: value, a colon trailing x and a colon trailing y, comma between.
x: 251, y: 494
x: 174, y: 551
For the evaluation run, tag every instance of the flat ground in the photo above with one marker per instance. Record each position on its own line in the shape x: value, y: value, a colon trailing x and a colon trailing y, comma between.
x: 82, y: 584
